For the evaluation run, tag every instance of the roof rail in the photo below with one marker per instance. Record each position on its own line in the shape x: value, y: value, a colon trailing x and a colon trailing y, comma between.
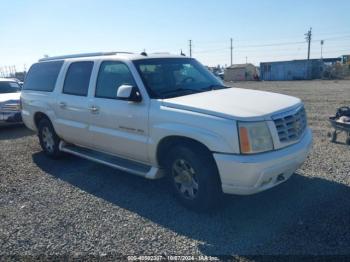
x: 160, y: 53
x: 81, y: 55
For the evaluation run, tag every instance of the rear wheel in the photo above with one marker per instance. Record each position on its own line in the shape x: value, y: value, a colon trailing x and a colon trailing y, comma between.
x: 332, y: 136
x: 194, y: 178
x: 48, y: 138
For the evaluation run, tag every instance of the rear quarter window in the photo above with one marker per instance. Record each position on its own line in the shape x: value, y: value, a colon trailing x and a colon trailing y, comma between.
x: 43, y: 76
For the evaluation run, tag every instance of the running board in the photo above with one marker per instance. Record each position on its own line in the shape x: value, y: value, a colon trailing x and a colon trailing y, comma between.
x: 112, y: 161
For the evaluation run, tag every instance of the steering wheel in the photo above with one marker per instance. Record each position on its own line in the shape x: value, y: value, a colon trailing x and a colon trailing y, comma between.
x: 188, y: 79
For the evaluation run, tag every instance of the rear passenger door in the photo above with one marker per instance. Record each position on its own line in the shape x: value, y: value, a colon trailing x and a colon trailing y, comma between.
x: 72, y: 105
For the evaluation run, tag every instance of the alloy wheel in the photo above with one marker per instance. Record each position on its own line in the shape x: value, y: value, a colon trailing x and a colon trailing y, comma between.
x: 48, y: 140
x: 185, y: 179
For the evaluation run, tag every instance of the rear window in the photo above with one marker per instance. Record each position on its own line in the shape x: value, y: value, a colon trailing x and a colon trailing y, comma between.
x: 43, y: 76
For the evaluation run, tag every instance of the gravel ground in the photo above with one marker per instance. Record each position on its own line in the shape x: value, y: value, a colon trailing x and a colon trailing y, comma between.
x: 76, y: 207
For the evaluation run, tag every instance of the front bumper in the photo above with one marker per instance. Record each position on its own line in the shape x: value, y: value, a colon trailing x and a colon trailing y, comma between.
x: 8, y: 118
x: 250, y: 174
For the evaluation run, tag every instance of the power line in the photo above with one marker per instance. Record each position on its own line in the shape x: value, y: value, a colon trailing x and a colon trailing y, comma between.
x: 255, y: 50
x: 334, y: 38
x: 275, y: 44
x: 272, y: 44
x: 324, y: 35
x: 239, y: 47
x: 211, y: 50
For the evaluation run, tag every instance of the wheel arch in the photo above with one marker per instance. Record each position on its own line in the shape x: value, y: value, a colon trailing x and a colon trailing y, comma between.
x: 38, y: 116
x: 168, y: 142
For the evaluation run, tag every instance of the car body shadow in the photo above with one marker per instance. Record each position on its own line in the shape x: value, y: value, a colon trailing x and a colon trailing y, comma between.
x: 283, y: 220
x: 14, y: 132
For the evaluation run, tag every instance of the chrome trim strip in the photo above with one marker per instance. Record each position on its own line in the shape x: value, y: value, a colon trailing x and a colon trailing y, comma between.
x: 152, y: 174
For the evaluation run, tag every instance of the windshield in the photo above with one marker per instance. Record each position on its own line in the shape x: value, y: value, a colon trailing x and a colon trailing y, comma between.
x: 9, y: 87
x: 172, y: 77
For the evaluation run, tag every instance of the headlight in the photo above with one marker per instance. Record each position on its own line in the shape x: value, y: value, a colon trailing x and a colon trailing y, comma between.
x: 254, y: 137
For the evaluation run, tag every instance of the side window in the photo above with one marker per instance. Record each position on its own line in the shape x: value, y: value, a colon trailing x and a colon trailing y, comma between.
x: 78, y: 78
x: 111, y: 76
x: 43, y: 76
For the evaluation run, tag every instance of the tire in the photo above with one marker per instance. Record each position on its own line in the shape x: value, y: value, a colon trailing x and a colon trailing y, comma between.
x: 332, y: 136
x: 347, y: 141
x: 49, y: 141
x: 194, y: 178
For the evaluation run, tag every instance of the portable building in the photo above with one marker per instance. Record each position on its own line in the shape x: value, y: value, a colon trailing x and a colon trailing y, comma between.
x: 241, y: 72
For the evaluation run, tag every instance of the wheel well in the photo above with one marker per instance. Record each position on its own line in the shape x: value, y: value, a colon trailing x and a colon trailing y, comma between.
x: 38, y: 117
x: 167, y: 143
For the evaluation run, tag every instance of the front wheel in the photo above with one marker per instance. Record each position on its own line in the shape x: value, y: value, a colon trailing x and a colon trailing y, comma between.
x: 48, y: 138
x: 194, y: 178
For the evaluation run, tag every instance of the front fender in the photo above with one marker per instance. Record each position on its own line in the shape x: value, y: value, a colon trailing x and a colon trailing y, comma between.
x: 217, y: 134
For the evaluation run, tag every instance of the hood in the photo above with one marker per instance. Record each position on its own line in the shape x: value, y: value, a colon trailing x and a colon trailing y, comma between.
x: 10, y: 97
x: 235, y: 103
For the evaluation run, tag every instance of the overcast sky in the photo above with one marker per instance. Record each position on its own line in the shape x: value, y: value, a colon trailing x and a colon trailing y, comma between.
x: 263, y: 30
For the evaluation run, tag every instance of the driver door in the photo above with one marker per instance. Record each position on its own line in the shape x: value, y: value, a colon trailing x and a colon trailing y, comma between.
x: 118, y: 127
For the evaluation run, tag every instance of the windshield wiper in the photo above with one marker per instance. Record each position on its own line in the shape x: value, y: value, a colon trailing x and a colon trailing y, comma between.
x: 192, y: 91
x: 180, y: 90
x: 216, y: 87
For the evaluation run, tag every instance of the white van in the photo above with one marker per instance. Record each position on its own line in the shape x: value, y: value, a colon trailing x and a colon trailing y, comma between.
x: 164, y: 115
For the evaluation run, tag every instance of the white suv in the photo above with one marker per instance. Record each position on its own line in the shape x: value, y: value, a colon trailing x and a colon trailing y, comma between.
x: 155, y: 115
x: 10, y: 92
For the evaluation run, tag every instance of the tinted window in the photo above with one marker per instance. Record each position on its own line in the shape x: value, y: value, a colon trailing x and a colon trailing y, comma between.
x: 9, y: 87
x: 43, y: 76
x: 173, y: 77
x: 111, y: 76
x: 78, y: 78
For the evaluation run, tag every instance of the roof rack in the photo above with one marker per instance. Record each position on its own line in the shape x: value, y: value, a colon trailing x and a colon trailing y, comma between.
x: 81, y: 55
x: 160, y: 53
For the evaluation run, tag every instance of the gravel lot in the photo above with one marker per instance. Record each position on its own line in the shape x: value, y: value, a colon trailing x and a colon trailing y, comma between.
x: 76, y: 207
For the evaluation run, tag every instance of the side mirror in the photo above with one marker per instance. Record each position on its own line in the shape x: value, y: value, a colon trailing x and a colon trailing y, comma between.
x: 129, y: 93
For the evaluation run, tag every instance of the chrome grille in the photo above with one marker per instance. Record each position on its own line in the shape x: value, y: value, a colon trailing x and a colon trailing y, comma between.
x: 291, y: 126
x: 10, y: 107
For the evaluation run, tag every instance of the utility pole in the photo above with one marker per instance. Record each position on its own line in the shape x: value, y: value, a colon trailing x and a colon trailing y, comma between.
x: 190, y: 42
x: 231, y: 48
x: 246, y: 59
x: 322, y: 42
x: 308, y: 37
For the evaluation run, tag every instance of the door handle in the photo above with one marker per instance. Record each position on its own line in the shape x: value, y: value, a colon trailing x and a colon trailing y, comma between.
x: 94, y: 109
x: 62, y: 104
